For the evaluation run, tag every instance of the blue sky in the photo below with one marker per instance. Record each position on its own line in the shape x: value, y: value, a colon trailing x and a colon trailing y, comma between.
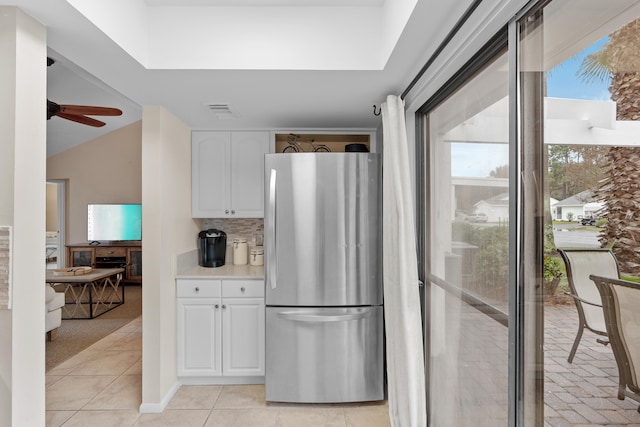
x: 563, y: 82
x: 478, y: 160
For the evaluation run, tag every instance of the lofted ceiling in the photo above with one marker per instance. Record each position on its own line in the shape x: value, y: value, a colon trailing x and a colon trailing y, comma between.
x: 277, y: 64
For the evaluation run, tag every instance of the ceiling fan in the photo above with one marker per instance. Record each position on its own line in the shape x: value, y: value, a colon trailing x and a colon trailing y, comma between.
x: 79, y: 113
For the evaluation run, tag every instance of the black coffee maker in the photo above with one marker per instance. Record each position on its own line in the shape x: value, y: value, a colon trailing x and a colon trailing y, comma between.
x: 212, y: 248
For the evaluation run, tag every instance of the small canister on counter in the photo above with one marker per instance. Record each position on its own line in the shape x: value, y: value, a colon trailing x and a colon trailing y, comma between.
x: 240, y: 251
x: 256, y: 257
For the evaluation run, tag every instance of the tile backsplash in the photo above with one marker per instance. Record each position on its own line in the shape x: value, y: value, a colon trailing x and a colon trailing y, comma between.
x: 237, y: 227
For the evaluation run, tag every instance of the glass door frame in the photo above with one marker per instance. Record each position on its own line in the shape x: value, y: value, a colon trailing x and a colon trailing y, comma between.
x: 526, y: 374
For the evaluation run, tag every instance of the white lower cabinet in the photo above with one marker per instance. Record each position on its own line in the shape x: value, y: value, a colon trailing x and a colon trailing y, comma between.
x: 221, y: 330
x: 243, y: 337
x: 199, y: 337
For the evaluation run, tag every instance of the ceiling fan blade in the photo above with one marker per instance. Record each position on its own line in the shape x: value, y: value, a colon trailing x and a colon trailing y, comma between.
x: 81, y: 119
x: 87, y: 110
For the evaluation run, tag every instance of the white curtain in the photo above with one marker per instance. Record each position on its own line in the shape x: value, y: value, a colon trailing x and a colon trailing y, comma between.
x: 405, y: 362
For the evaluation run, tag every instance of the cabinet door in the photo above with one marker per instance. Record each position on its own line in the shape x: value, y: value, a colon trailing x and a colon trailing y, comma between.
x: 81, y: 257
x: 134, y: 265
x: 210, y: 185
x: 199, y: 337
x: 243, y: 336
x: 247, y: 173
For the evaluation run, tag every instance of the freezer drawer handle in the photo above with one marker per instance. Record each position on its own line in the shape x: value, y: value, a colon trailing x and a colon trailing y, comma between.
x: 319, y: 318
x: 271, y: 250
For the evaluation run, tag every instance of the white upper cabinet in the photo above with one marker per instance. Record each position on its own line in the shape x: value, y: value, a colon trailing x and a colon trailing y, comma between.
x: 247, y: 173
x: 228, y: 174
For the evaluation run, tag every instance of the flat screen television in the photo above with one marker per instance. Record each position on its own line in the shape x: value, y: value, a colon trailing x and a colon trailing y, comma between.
x: 114, y: 222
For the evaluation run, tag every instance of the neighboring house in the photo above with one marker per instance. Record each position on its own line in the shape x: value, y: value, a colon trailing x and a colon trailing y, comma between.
x: 578, y: 206
x: 496, y: 208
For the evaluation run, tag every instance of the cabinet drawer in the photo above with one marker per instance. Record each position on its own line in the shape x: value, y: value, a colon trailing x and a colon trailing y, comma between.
x: 195, y: 288
x: 242, y: 288
x: 108, y: 252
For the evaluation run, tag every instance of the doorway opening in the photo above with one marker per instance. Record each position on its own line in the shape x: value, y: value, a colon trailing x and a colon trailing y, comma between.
x: 55, y: 253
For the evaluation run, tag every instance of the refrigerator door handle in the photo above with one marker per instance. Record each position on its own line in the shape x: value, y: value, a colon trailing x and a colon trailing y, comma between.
x: 271, y: 249
x: 320, y: 318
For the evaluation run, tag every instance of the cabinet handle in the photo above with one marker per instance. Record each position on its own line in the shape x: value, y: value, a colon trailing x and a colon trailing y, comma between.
x: 233, y: 212
x: 226, y: 211
x: 197, y: 289
x: 217, y: 306
x: 242, y: 289
x: 224, y: 306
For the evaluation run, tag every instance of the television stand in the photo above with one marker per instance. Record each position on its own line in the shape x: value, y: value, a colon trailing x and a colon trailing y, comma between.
x: 111, y: 262
x: 127, y: 255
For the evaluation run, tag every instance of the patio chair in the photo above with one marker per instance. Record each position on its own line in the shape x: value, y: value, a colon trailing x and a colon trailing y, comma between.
x: 580, y: 263
x: 620, y: 302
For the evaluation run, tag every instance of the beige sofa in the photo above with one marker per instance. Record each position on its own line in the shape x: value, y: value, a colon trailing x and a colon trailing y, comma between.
x: 54, y: 301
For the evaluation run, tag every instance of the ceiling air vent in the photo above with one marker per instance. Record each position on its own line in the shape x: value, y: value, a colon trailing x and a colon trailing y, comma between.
x: 222, y: 110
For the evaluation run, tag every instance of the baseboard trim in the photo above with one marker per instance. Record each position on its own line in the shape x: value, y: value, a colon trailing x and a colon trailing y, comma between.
x: 156, y: 408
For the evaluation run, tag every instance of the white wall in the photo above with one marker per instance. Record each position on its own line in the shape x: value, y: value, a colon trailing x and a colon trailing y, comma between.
x: 92, y: 181
x: 22, y: 205
x: 168, y: 230
x: 167, y: 36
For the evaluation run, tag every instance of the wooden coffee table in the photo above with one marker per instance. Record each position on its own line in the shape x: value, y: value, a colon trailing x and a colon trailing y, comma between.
x: 89, y: 295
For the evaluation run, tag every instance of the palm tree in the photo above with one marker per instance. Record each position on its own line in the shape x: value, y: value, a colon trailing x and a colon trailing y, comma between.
x: 619, y: 59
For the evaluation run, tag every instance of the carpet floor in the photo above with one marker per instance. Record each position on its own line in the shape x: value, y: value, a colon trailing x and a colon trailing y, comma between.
x: 74, y: 335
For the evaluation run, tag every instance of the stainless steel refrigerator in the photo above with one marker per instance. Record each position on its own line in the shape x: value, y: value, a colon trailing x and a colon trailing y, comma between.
x: 324, y: 314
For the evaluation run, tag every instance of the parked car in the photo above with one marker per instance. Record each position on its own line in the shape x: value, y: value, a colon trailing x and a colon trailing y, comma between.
x: 477, y: 217
x: 588, y: 221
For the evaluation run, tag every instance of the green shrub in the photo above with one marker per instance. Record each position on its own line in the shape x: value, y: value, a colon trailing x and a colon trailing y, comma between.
x: 552, y: 268
x: 461, y: 231
x: 549, y: 241
x: 491, y: 260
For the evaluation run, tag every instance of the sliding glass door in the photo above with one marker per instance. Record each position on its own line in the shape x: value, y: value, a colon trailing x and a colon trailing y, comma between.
x: 468, y: 245
x: 515, y: 151
x: 579, y: 80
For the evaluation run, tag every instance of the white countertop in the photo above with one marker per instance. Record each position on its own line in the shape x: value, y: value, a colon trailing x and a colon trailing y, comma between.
x: 227, y: 271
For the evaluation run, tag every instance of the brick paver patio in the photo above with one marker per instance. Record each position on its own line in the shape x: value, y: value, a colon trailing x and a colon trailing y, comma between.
x: 582, y: 393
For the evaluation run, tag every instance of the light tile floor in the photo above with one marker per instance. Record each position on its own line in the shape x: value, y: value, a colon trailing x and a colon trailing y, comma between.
x: 102, y: 386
